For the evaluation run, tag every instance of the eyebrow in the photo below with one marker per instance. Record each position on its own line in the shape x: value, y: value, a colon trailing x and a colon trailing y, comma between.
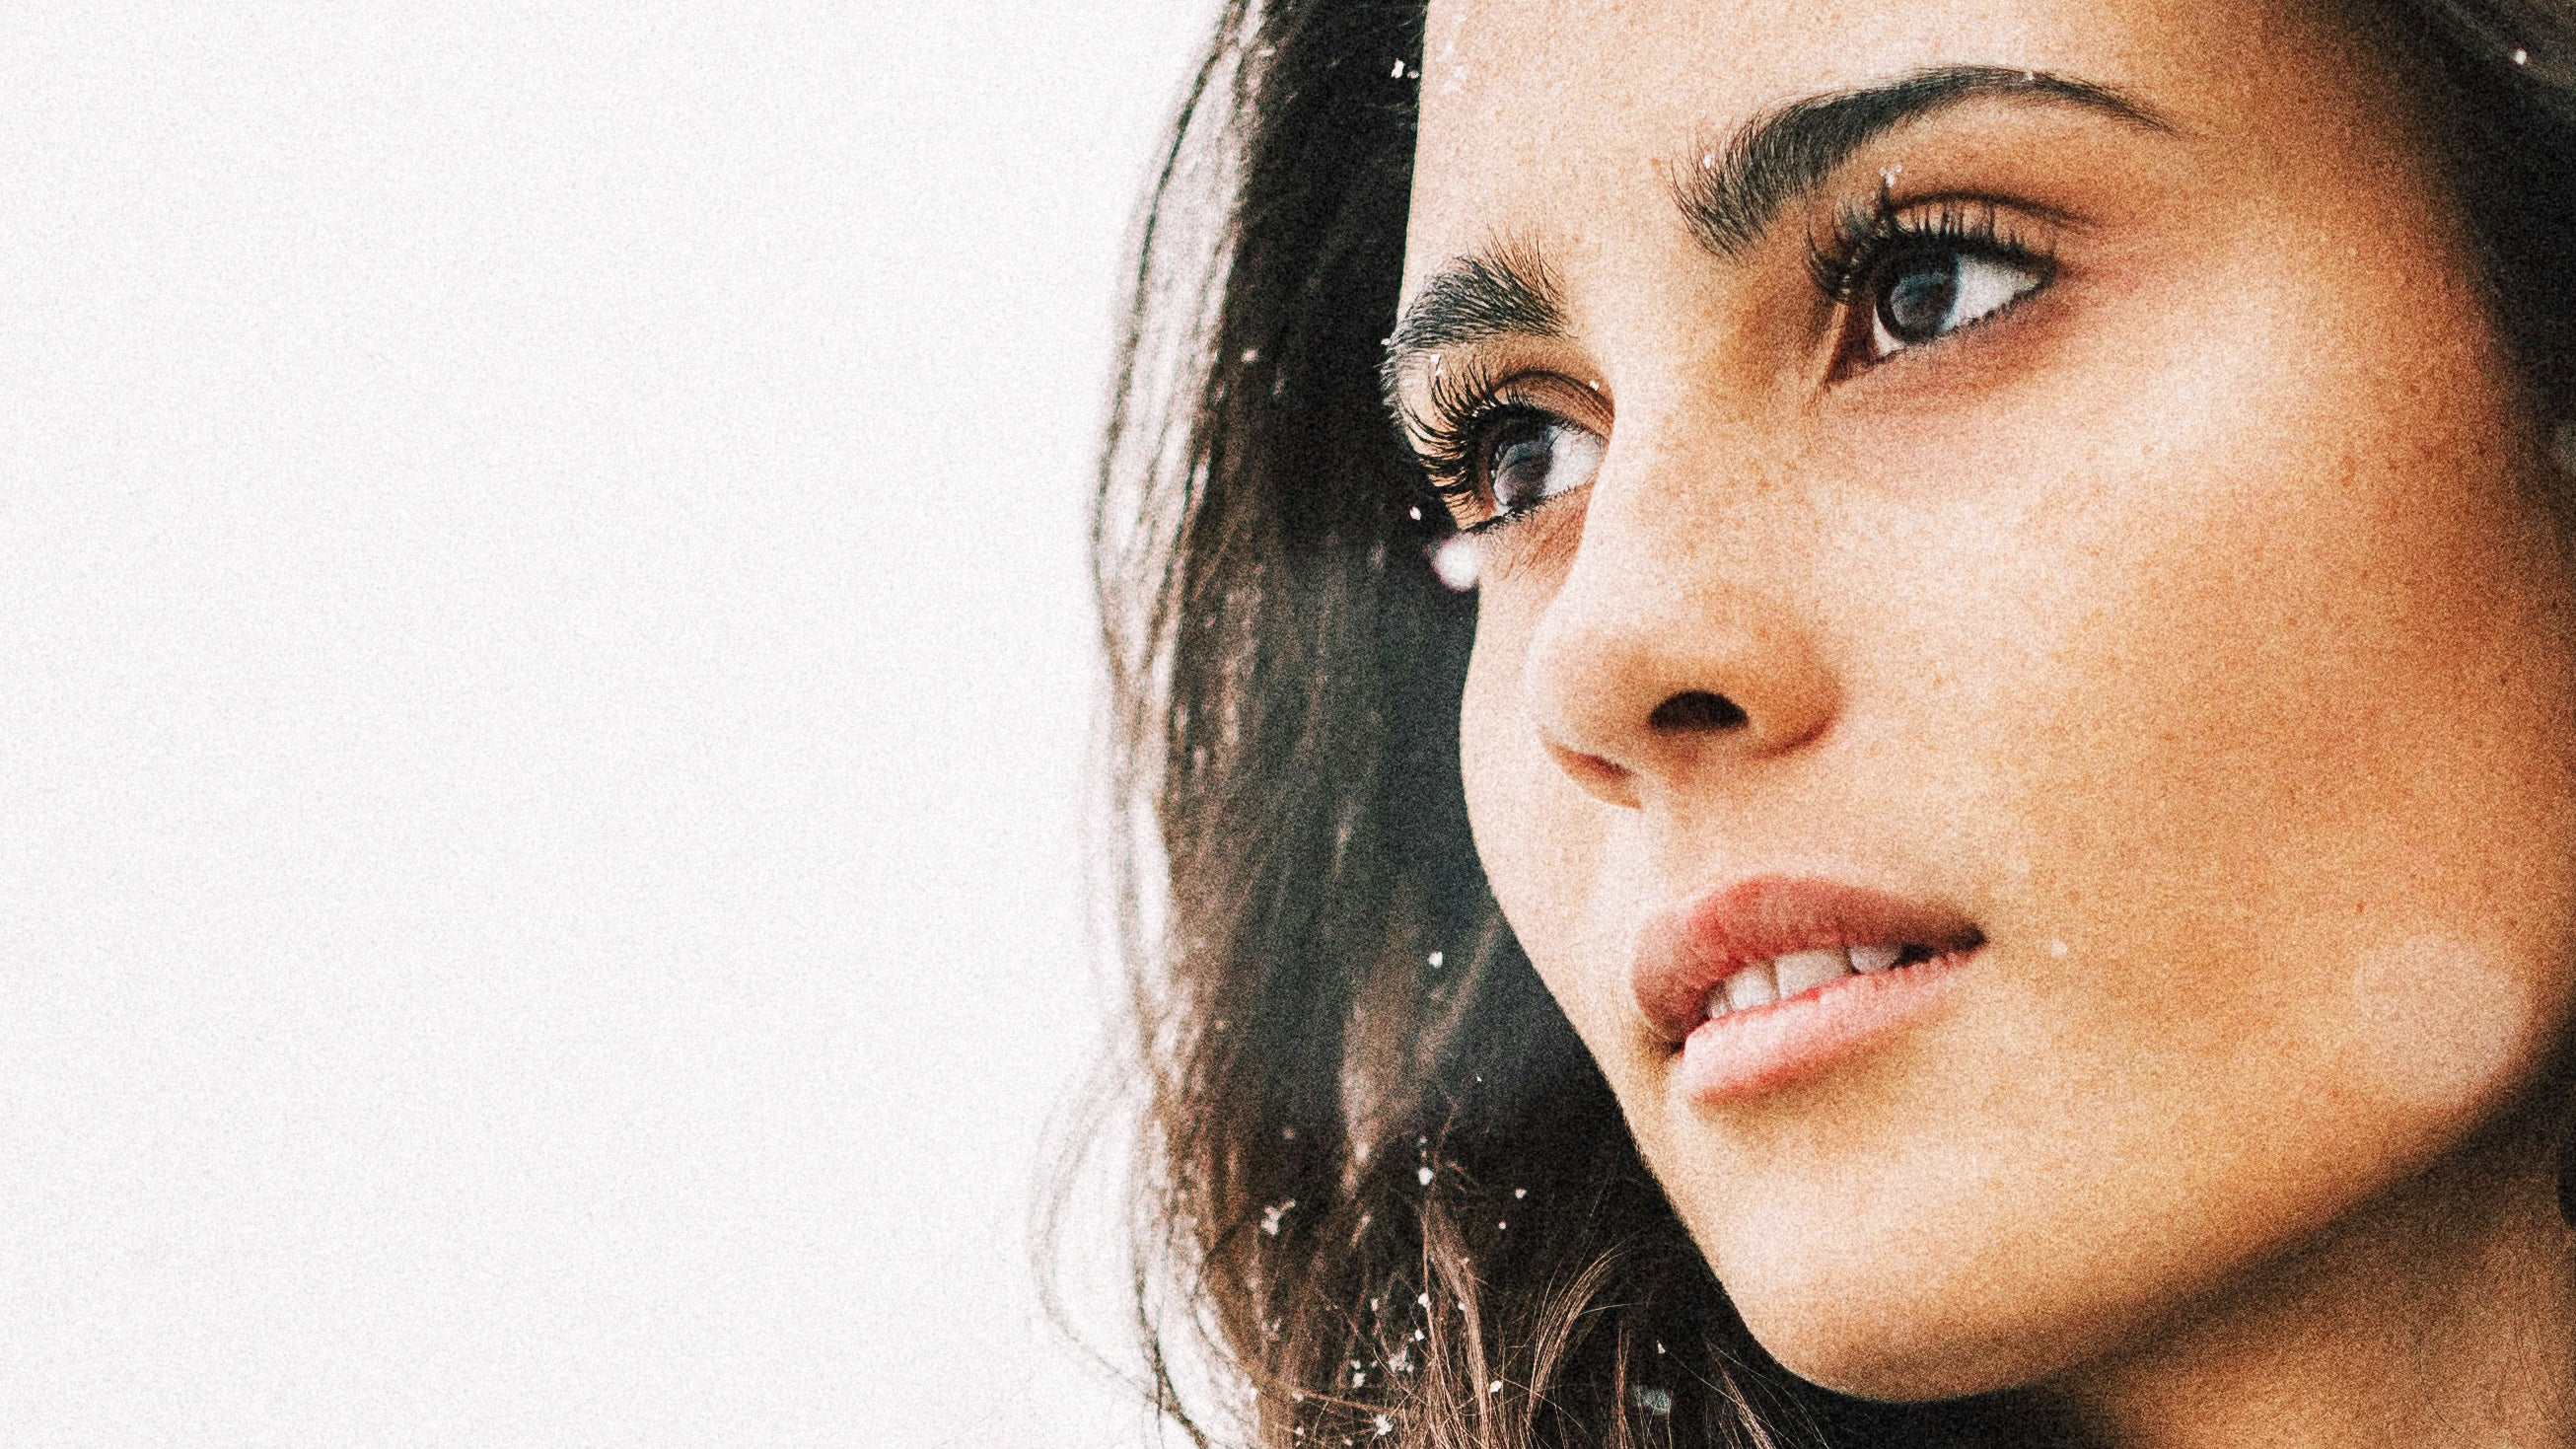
x: 1505, y: 290
x: 1729, y: 195
x: 1735, y: 192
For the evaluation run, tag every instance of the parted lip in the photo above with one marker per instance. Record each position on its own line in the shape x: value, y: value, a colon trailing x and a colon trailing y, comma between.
x: 1700, y: 940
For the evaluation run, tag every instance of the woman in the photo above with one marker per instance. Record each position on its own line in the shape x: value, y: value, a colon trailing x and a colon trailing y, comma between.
x: 1992, y: 573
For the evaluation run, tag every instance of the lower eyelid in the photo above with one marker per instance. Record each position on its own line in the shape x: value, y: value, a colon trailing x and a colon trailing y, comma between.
x: 1543, y: 535
x: 1932, y: 353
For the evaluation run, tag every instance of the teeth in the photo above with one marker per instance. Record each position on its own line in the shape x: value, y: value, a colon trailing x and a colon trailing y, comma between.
x: 1753, y: 986
x: 1765, y: 982
x: 1806, y: 970
x: 1874, y: 958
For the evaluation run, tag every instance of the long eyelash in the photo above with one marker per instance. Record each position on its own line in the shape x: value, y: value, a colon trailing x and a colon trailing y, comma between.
x: 1864, y: 236
x: 1463, y: 399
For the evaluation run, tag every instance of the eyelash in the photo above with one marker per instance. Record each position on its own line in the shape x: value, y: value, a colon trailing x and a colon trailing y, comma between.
x: 1466, y: 402
x: 1864, y: 238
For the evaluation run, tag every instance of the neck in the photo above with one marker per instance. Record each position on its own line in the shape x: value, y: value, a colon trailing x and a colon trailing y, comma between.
x: 2444, y: 1312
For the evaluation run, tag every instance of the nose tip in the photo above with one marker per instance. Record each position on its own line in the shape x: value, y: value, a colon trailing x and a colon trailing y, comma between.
x: 1693, y: 715
x: 1629, y: 707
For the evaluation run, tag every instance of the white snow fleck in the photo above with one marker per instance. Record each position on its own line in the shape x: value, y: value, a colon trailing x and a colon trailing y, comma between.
x: 1456, y: 564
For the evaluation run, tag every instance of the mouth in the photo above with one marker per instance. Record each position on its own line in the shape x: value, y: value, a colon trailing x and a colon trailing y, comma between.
x: 1766, y: 980
x: 1803, y: 973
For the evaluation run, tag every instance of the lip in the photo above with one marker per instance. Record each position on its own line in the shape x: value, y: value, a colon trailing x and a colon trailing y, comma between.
x: 1697, y: 942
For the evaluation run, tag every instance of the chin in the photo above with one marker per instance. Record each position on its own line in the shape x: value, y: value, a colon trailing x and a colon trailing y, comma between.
x: 1937, y: 1337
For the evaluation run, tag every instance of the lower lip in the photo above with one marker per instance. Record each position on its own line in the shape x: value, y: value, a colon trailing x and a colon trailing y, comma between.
x: 1745, y: 1053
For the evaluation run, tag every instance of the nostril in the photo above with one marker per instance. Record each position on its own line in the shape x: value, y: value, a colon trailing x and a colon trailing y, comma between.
x: 1697, y: 710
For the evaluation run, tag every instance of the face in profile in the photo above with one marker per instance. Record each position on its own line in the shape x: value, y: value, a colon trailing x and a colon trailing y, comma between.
x: 2020, y: 701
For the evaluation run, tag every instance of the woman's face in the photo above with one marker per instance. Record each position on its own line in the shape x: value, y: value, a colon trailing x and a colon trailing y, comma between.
x: 2067, y: 517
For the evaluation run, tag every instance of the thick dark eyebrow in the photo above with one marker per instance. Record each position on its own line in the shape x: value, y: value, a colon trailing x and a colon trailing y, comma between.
x: 1503, y: 291
x: 1731, y: 194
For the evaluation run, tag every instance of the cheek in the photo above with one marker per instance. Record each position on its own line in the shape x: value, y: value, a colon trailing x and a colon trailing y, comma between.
x: 2254, y: 749
x: 1539, y: 839
x: 1497, y: 763
x: 2442, y: 1029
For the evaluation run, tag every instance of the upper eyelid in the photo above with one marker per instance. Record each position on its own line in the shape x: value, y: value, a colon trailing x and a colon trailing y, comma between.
x: 1884, y: 209
x: 1450, y: 404
x: 1419, y: 411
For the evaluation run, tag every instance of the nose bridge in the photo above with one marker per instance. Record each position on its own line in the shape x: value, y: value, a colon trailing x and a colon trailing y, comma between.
x: 1678, y: 642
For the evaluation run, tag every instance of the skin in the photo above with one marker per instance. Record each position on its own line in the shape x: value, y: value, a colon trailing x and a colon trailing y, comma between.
x: 2203, y: 615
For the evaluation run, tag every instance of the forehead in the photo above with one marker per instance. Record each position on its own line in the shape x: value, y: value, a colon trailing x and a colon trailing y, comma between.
x: 1550, y: 120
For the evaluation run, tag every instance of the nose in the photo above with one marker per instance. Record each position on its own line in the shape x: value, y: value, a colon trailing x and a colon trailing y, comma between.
x: 1657, y: 668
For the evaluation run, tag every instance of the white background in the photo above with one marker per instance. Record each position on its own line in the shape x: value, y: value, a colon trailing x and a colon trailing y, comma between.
x: 545, y: 674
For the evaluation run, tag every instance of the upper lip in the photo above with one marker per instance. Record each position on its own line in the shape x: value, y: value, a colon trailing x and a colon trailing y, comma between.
x: 1700, y: 940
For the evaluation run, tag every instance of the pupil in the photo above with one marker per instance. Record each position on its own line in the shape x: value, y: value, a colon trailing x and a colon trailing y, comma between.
x: 1522, y: 458
x: 1921, y: 298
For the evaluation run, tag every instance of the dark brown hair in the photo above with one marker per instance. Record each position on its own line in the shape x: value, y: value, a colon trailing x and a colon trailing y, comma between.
x: 1385, y: 1197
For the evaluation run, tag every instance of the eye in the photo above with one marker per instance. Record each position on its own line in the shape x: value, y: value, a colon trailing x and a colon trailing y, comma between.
x: 1525, y: 457
x: 1928, y: 292
x: 1494, y: 448
x: 1904, y: 274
